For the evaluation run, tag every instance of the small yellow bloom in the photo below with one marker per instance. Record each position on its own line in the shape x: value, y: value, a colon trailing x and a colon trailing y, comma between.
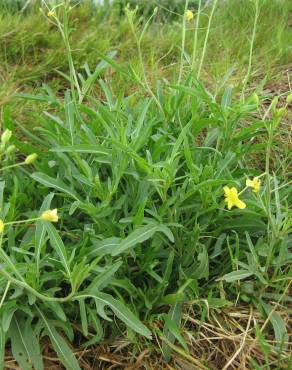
x: 255, y: 184
x: 50, y: 215
x: 189, y: 15
x: 30, y: 158
x: 1, y: 226
x: 51, y: 13
x: 231, y: 198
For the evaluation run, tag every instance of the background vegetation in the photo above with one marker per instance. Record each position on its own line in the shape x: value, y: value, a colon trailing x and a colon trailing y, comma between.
x: 140, y: 118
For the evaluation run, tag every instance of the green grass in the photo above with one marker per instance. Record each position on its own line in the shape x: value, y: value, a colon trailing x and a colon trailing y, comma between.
x: 135, y: 155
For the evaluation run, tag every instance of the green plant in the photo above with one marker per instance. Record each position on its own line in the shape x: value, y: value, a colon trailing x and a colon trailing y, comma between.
x: 143, y: 226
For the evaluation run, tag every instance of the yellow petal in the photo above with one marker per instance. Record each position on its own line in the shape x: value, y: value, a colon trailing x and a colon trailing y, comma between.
x: 189, y: 15
x: 50, y: 215
x: 1, y: 226
x: 226, y: 191
x: 240, y: 204
x: 249, y: 183
x: 233, y: 192
x: 229, y: 204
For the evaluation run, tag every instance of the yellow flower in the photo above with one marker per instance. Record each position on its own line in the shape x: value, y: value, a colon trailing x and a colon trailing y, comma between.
x: 231, y: 198
x: 1, y: 226
x: 189, y: 15
x: 255, y: 184
x: 30, y: 158
x: 50, y: 215
x: 51, y: 13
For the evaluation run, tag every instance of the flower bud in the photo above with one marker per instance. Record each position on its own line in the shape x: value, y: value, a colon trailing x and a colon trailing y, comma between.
x: 10, y: 149
x: 5, y: 137
x: 30, y: 158
x: 1, y: 226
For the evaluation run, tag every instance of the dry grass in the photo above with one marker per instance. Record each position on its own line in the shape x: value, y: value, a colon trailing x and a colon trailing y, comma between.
x: 225, y: 340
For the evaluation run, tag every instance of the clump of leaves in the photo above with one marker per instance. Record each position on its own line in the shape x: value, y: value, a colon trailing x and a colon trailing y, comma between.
x: 143, y: 225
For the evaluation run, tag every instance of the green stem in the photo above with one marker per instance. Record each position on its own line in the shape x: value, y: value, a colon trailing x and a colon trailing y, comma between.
x: 183, y: 41
x: 145, y: 83
x: 4, y: 294
x: 24, y: 285
x: 196, y: 35
x: 12, y: 166
x: 206, y: 38
x: 246, y: 79
x: 22, y: 221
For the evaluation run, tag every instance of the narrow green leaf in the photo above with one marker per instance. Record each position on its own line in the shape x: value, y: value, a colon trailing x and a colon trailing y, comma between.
x: 60, y: 346
x: 69, y: 114
x: 57, y: 184
x: 279, y: 327
x: 2, y: 347
x: 121, y: 311
x: 174, y: 315
x: 237, y: 275
x: 103, y: 278
x: 103, y: 247
x: 41, y: 232
x: 137, y: 236
x: 59, y: 246
x: 25, y: 346
x: 83, y: 148
x: 83, y: 316
x: 174, y: 330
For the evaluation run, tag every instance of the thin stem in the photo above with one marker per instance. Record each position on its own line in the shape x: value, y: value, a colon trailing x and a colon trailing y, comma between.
x: 73, y: 75
x: 64, y: 30
x: 145, y: 83
x: 5, y: 293
x: 206, y: 38
x: 6, y: 258
x: 23, y: 284
x: 183, y: 41
x: 196, y: 35
x: 246, y: 79
x: 22, y: 221
x: 12, y: 166
x: 272, y: 234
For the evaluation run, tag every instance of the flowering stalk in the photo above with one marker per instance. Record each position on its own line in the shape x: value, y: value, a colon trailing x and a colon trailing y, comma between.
x: 196, y: 35
x: 183, y: 42
x: 49, y: 216
x: 206, y: 38
x: 29, y: 160
x: 251, y: 48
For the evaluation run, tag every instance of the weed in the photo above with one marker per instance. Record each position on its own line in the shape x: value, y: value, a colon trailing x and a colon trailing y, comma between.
x: 152, y: 222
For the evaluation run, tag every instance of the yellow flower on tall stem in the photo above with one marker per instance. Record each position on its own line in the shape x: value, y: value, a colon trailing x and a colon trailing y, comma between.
x: 232, y: 198
x: 255, y: 184
x: 51, y: 13
x: 50, y: 215
x: 189, y: 15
